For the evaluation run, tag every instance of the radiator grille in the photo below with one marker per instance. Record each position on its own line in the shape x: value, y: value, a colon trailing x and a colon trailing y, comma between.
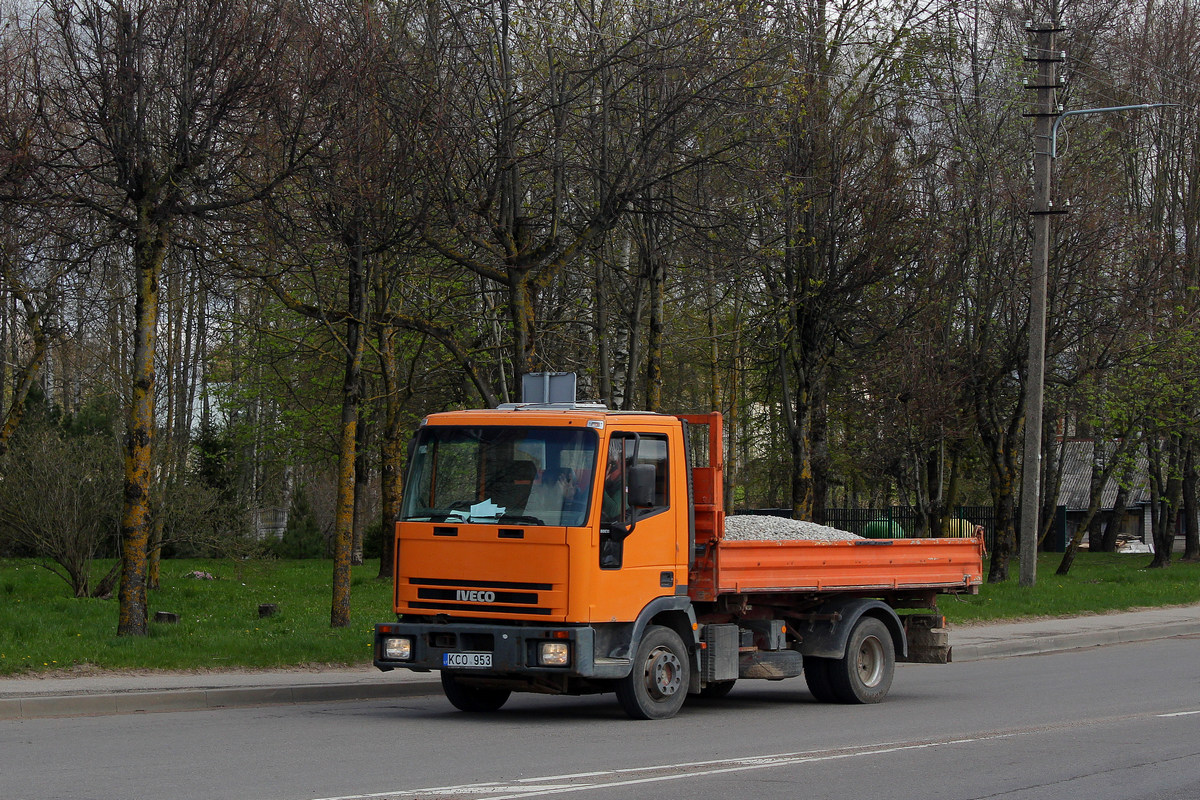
x: 493, y: 597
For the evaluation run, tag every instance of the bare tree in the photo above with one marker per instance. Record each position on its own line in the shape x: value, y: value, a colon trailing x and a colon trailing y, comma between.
x: 157, y: 111
x: 348, y: 223
x: 1152, y: 56
x: 571, y: 119
x: 840, y: 219
x: 24, y: 286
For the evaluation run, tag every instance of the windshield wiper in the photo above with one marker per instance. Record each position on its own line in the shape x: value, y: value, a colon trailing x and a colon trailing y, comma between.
x: 520, y: 519
x: 464, y: 517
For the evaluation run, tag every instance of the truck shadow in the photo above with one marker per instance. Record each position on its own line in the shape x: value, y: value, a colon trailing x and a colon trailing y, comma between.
x: 569, y: 710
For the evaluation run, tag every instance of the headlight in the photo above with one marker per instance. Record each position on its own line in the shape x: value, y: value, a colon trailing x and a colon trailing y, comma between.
x: 555, y: 654
x: 397, y: 648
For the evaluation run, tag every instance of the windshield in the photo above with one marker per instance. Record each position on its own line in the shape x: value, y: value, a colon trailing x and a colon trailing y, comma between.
x: 509, y: 475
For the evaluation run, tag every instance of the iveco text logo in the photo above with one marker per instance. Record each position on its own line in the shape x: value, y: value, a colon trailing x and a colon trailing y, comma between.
x: 475, y: 596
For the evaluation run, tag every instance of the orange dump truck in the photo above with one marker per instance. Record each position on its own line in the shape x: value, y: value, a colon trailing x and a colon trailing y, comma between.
x: 571, y: 549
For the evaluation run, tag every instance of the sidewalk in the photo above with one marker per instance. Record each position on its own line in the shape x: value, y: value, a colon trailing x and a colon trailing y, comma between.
x: 103, y: 693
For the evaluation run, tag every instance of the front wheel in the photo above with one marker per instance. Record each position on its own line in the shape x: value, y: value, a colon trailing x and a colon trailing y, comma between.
x: 658, y: 683
x: 864, y: 674
x: 466, y: 697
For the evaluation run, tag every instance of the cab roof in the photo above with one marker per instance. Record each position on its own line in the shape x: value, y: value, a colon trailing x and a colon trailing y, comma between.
x: 552, y: 414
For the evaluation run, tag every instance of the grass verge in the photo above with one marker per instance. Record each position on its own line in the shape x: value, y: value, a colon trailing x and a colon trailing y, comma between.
x: 1098, y: 583
x: 44, y: 629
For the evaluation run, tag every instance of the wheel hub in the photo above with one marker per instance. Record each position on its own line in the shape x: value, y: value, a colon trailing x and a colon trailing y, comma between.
x: 870, y: 661
x: 663, y: 673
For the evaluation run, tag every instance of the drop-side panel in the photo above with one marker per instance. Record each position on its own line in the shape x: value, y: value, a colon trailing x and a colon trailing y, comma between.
x: 786, y: 566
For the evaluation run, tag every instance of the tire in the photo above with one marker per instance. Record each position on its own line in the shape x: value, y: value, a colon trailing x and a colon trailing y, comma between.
x: 473, y: 699
x: 658, y: 683
x: 717, y: 689
x: 864, y: 674
x: 816, y: 675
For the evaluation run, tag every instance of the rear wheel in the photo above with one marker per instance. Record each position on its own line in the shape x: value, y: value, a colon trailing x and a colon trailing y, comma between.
x: 466, y: 697
x: 816, y: 675
x: 658, y: 683
x: 864, y: 674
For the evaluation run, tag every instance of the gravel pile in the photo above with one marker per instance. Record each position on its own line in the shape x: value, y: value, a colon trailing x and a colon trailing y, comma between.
x: 757, y: 528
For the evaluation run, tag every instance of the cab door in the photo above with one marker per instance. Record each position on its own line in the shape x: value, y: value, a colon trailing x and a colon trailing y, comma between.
x: 637, y: 549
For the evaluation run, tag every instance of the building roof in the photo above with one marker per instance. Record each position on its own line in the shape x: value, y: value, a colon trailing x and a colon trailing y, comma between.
x: 1076, y: 477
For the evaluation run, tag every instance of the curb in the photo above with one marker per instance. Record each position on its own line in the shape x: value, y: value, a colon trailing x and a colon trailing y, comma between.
x: 1055, y: 643
x: 91, y: 705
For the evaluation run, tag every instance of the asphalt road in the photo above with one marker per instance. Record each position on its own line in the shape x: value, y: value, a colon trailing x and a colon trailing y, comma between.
x: 1121, y: 721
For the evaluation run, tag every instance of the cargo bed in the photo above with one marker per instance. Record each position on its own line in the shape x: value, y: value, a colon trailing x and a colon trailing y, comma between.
x: 747, y: 566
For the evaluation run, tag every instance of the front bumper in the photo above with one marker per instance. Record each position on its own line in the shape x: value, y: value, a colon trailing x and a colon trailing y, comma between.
x: 512, y: 650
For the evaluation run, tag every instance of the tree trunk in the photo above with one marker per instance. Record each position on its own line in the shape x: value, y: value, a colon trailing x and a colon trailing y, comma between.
x: 150, y: 247
x: 6, y: 316
x: 927, y: 474
x: 1005, y: 536
x: 600, y: 314
x: 391, y: 445
x: 362, y: 480
x: 1191, y: 525
x: 714, y: 349
x: 27, y: 376
x: 635, y: 314
x: 1115, y: 518
x: 1097, y: 486
x: 1051, y: 480
x: 656, y: 269
x: 343, y: 532
x: 1001, y: 471
x: 1099, y: 479
x: 820, y: 448
x: 522, y: 314
x: 1166, y: 494
x: 797, y: 421
x: 103, y: 589
x: 733, y: 425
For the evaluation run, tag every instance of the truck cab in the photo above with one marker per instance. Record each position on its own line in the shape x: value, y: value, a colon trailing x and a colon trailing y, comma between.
x: 533, y: 539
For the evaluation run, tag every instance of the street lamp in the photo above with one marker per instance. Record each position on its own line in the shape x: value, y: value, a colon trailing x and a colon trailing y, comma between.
x: 1059, y: 118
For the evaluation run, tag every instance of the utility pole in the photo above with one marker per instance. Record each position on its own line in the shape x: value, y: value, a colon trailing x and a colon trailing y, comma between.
x: 1045, y: 149
x: 1043, y: 53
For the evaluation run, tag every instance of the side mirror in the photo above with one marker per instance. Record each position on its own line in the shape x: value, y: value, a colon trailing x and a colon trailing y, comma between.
x: 641, y: 485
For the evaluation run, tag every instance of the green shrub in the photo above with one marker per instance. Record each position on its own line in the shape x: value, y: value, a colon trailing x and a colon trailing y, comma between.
x: 373, y: 540
x: 302, y: 538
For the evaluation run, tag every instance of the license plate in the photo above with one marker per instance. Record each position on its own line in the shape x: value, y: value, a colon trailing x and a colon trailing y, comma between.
x: 467, y: 660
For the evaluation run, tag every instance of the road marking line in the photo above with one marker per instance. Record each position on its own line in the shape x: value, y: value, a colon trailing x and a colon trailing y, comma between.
x: 715, y: 767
